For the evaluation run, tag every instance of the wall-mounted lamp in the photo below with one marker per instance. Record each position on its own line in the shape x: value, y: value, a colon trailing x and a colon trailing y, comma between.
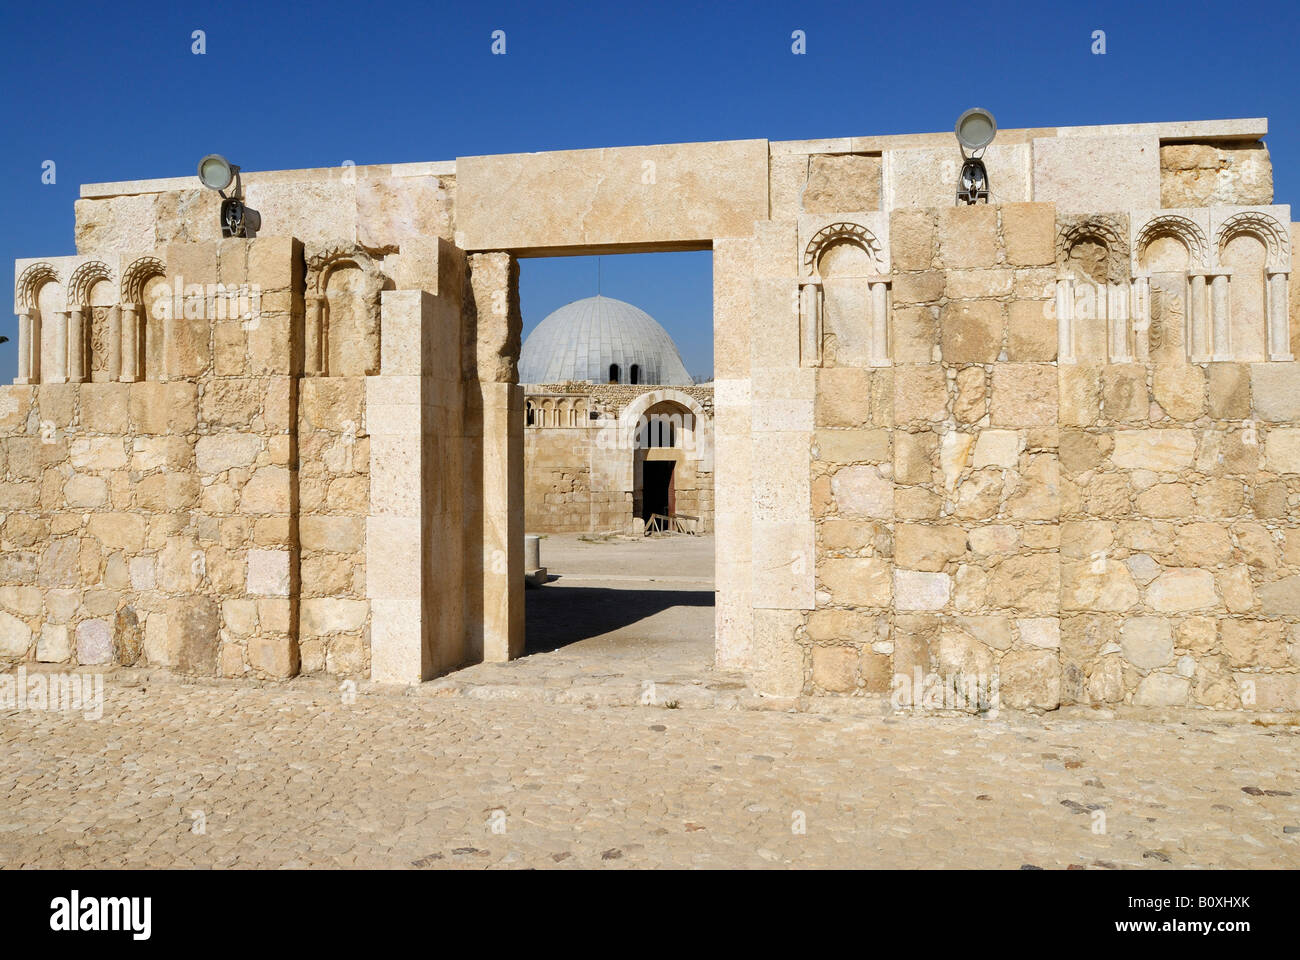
x: 237, y: 220
x: 976, y: 129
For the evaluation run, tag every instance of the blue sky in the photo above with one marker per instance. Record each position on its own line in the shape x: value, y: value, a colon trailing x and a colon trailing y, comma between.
x: 112, y: 92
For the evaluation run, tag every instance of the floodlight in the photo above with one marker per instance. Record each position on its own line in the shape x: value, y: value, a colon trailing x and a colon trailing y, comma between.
x: 976, y: 129
x: 217, y: 173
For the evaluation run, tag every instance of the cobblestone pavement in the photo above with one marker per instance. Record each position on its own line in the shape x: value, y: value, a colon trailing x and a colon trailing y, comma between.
x: 289, y: 775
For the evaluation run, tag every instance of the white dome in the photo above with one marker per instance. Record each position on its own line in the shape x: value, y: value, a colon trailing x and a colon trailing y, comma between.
x: 584, y: 339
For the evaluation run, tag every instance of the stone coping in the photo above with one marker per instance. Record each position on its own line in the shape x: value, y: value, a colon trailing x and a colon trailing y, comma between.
x: 376, y: 171
x: 1241, y: 128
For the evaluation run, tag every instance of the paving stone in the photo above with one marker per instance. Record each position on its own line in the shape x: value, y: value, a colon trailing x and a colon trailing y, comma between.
x: 289, y: 775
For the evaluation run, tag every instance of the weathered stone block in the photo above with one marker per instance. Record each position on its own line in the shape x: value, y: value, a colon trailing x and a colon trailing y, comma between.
x: 851, y: 446
x: 268, y: 573
x: 919, y: 546
x: 15, y: 636
x: 1254, y: 643
x: 778, y: 661
x: 915, y: 456
x: 197, y: 624
x: 1162, y: 690
x: 1281, y: 598
x: 920, y: 393
x: 843, y: 397
x: 1100, y: 584
x: 992, y: 284
x: 163, y: 407
x: 1211, y: 174
x: 979, y: 495
x: 1031, y: 583
x: 337, y: 534
x: 1282, y: 450
x: 1277, y: 692
x: 217, y: 453
x: 1179, y: 388
x: 104, y: 407
x: 240, y: 617
x: 835, y: 668
x: 267, y: 491
x: 1042, y: 632
x: 911, y: 239
x: 1229, y: 389
x: 829, y: 625
x: 1147, y: 642
x: 968, y: 236
x: 1124, y: 393
x: 323, y: 615
x: 1030, y: 679
x: 998, y: 448
x: 700, y: 191
x: 915, y: 334
x: 1179, y: 590
x: 1110, y: 173
x: 1163, y: 450
x: 273, y: 656
x: 969, y: 404
x: 860, y: 582
x: 1024, y: 394
x: 54, y: 646
x: 910, y: 288
x: 1031, y: 331
x: 1029, y: 232
x: 94, y: 642
x: 842, y: 182
x: 971, y: 331
x: 915, y: 590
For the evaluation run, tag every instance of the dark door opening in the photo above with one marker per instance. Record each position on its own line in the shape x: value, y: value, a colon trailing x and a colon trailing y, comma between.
x: 657, y: 494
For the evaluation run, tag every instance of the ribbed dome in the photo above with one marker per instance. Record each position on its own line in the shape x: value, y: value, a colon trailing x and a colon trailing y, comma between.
x: 582, y: 340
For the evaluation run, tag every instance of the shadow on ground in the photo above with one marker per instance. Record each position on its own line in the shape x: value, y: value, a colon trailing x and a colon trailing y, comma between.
x: 557, y: 617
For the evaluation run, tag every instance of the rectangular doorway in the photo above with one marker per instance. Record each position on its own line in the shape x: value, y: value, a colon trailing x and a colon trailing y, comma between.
x: 658, y: 495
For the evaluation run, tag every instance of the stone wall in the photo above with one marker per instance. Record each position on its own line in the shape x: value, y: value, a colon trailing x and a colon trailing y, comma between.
x: 211, y: 508
x: 563, y: 493
x: 376, y: 205
x: 1200, y: 174
x: 1091, y: 533
x: 333, y: 500
x: 582, y: 470
x: 156, y: 520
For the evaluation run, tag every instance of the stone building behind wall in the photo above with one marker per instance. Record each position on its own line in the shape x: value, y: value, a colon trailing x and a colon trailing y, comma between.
x: 622, y: 434
x: 1054, y: 438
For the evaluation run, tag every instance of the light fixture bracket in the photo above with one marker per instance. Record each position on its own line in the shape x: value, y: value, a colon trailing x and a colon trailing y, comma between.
x: 973, y: 183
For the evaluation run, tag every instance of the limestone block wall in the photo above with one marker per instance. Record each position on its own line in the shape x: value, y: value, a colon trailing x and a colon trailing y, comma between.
x: 1179, y: 538
x: 177, y: 492
x: 375, y: 205
x: 1093, y: 533
x: 558, y: 497
x: 581, y: 467
x: 333, y: 500
x: 694, y: 493
x: 152, y: 520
